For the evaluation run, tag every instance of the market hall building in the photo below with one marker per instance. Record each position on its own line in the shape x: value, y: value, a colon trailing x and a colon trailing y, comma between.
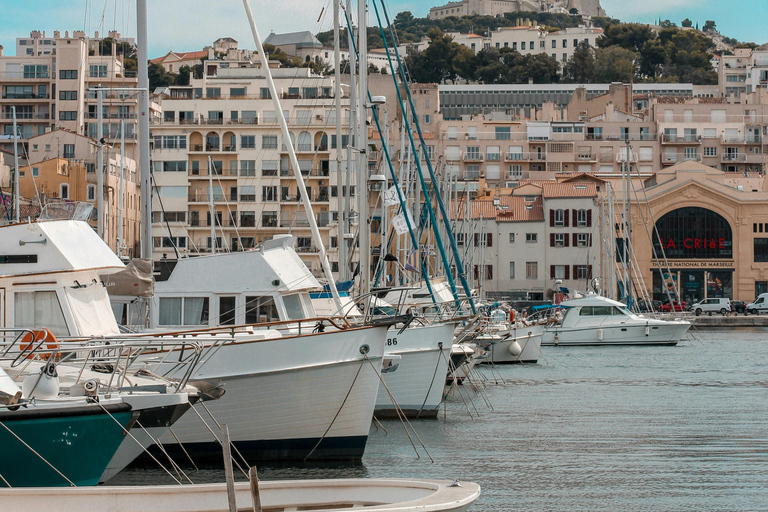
x: 713, y: 227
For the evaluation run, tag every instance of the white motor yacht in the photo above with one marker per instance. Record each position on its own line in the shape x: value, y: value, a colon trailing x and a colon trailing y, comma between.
x: 596, y: 320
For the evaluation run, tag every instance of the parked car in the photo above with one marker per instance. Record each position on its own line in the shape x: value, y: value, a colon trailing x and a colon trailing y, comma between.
x: 713, y: 305
x: 759, y: 305
x: 674, y: 306
x: 739, y: 306
x: 647, y: 306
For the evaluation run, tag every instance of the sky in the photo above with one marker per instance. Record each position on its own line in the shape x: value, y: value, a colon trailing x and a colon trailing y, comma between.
x: 188, y: 25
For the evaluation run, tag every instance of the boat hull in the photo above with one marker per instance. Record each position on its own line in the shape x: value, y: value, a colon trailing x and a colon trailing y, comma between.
x: 529, y: 340
x: 78, y: 442
x: 417, y: 382
x: 291, y: 398
x: 663, y: 333
x: 371, y: 494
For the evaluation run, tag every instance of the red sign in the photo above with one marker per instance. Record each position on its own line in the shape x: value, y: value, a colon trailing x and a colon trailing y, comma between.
x: 696, y: 243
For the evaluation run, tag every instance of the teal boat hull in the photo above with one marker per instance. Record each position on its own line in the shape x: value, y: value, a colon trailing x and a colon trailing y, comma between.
x: 78, y: 441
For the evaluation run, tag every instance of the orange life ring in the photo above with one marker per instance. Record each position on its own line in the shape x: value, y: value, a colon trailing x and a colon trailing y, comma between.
x: 33, y: 339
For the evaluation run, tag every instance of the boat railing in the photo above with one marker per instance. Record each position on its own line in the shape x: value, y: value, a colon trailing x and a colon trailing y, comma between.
x: 115, y: 358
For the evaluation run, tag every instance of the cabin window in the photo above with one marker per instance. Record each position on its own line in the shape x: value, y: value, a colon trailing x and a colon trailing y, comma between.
x: 227, y: 310
x: 39, y: 309
x: 293, y: 308
x: 260, y: 309
x: 195, y: 311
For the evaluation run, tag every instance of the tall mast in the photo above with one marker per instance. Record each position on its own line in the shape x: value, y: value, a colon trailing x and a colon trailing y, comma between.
x: 292, y: 154
x: 353, y: 128
x: 341, y: 223
x: 362, y: 157
x: 120, y: 191
x: 144, y: 175
x: 16, y: 214
x: 211, y: 206
x: 100, y: 163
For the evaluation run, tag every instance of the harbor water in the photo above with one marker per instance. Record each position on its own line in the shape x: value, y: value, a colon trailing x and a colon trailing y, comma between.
x: 681, y: 428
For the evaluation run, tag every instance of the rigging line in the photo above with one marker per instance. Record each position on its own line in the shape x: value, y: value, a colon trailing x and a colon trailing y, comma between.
x: 162, y: 210
x: 229, y: 211
x: 438, y: 238
x: 176, y: 467
x: 400, y: 198
x: 221, y: 443
x: 432, y: 382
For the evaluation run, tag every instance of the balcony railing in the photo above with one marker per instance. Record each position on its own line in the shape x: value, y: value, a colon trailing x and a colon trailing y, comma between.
x: 25, y: 96
x: 670, y: 138
x: 473, y: 157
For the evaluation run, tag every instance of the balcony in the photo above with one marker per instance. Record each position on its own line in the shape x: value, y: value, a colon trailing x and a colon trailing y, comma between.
x: 26, y: 116
x: 740, y: 139
x: 676, y: 139
x: 676, y: 158
x: 202, y: 197
x: 26, y: 96
x: 473, y: 157
x: 492, y: 157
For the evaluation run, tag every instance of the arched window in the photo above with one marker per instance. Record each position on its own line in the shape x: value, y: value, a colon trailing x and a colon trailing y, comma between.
x: 694, y: 233
x: 305, y: 141
x: 293, y: 141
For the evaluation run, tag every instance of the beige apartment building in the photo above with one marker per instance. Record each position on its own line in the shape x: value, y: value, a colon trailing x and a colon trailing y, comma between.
x: 220, y: 162
x: 50, y: 86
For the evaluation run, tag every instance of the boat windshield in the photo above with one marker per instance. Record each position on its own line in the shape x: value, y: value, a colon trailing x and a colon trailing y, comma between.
x: 603, y: 311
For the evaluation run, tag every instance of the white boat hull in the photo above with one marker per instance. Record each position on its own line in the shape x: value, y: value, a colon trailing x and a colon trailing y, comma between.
x: 289, y: 398
x: 370, y: 494
x: 664, y: 333
x: 417, y: 382
x: 500, y: 350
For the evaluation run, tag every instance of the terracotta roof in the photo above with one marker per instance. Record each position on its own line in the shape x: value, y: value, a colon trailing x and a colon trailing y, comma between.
x: 509, y: 209
x: 553, y: 190
x: 181, y: 56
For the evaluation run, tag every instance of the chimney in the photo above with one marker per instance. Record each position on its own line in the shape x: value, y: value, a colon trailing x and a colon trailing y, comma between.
x: 114, y: 48
x: 56, y: 34
x: 1, y: 50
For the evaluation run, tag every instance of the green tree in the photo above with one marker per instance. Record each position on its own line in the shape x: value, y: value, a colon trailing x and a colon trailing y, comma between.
x: 632, y: 36
x: 183, y: 76
x: 436, y: 63
x: 581, y: 68
x: 686, y: 23
x: 158, y: 76
x: 539, y: 68
x: 615, y: 64
x: 709, y: 26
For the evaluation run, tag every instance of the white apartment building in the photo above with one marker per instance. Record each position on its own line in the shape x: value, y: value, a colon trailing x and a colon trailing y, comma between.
x: 522, y: 242
x: 229, y: 119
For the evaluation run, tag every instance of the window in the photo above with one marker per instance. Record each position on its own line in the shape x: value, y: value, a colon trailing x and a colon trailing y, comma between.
x: 511, y: 269
x: 710, y: 151
x: 264, y: 94
x: 35, y: 172
x: 582, y: 271
x: 559, y: 272
x: 33, y: 309
x: 213, y: 92
x: 247, y: 142
x: 559, y: 220
x: 68, y: 74
x: 169, y: 116
x: 522, y: 45
x: 581, y: 218
x: 97, y: 71
x: 67, y: 95
x: 236, y: 91
x: 503, y: 133
x: 531, y: 237
x: 64, y: 191
x: 582, y: 240
x: 260, y: 309
x: 269, y: 194
x: 248, y: 193
x: 269, y: 141
x: 68, y: 115
x: 554, y: 43
x: 559, y: 239
x: 427, y: 119
x: 69, y: 151
x: 269, y: 219
x: 511, y: 238
x: 171, y: 142
x: 531, y: 270
x: 483, y: 239
x: 761, y: 250
x: 35, y: 71
x: 248, y: 219
x: 183, y: 311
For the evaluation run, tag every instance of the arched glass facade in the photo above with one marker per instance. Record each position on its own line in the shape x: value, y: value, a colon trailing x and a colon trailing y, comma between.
x: 694, y: 233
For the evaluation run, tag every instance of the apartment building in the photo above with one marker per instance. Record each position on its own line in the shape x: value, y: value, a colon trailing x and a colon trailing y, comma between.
x: 522, y: 243
x: 50, y: 86
x: 220, y: 163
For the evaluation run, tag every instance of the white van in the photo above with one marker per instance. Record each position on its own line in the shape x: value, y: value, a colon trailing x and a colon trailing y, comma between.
x: 759, y: 305
x: 716, y: 305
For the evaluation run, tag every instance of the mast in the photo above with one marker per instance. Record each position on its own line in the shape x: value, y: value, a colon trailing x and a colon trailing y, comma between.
x: 362, y: 156
x: 16, y: 214
x: 120, y: 191
x: 341, y: 220
x: 100, y: 163
x: 144, y: 175
x: 292, y: 154
x: 211, y: 206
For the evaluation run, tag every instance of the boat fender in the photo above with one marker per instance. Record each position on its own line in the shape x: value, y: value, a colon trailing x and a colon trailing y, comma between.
x: 515, y: 349
x: 647, y: 329
x: 34, y: 339
x: 511, y: 316
x: 43, y: 385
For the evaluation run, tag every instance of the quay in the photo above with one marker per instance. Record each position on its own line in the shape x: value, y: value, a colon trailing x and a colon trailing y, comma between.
x: 732, y: 320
